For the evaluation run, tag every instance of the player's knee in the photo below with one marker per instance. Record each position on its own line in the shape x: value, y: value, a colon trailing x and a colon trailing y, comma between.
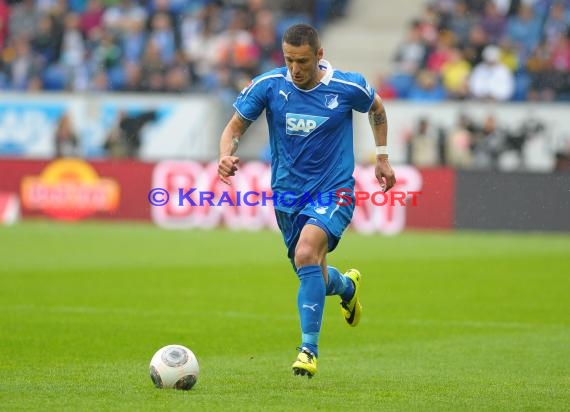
x: 306, y: 255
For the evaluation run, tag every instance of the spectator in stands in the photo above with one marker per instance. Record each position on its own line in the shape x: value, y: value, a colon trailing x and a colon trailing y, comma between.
x: 106, y: 54
x: 22, y: 66
x: 72, y: 55
x: 411, y: 54
x: 490, y: 79
x: 543, y: 79
x: 115, y: 142
x: 46, y: 43
x: 488, y: 144
x: 557, y: 23
x: 24, y: 19
x: 171, y: 10
x: 493, y: 22
x: 441, y: 53
x: 478, y: 40
x: 91, y: 20
x: 152, y: 67
x: 124, y: 138
x: 266, y: 42
x: 429, y: 24
x: 99, y: 81
x: 132, y: 41
x: 509, y: 55
x: 66, y: 141
x: 455, y: 75
x: 560, y: 59
x: 199, y: 48
x: 235, y: 46
x: 118, y: 17
x: 133, y: 77
x: 524, y: 30
x: 458, y: 144
x: 35, y: 84
x: 461, y: 23
x: 423, y: 144
x: 177, y: 78
x: 560, y: 53
x: 162, y: 34
x: 427, y: 88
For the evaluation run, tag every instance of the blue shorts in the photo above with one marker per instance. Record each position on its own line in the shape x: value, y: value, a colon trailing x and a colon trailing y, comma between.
x: 333, y: 219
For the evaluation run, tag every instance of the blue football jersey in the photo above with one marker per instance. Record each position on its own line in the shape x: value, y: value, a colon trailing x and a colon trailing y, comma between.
x: 310, y: 131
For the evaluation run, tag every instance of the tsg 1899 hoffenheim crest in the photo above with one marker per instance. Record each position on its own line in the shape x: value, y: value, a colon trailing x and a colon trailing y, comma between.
x: 331, y: 100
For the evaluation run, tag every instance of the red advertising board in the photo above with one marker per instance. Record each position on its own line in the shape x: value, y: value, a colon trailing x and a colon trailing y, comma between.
x: 436, y: 206
x: 73, y: 189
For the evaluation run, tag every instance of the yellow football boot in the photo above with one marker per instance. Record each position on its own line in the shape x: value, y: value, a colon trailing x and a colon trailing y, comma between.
x: 352, y: 309
x: 305, y: 364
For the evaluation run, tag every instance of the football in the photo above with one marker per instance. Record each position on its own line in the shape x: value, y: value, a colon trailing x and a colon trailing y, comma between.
x: 174, y: 366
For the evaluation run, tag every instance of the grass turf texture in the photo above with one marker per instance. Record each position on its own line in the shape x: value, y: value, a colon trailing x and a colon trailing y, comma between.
x: 462, y: 321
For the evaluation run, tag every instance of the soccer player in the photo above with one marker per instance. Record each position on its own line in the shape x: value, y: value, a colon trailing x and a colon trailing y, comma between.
x: 309, y: 108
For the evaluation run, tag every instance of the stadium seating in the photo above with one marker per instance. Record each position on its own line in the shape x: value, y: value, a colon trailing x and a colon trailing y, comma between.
x: 533, y: 38
x: 185, y: 46
x: 175, y: 46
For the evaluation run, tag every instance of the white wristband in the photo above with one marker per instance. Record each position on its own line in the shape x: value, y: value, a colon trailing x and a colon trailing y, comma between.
x: 381, y: 150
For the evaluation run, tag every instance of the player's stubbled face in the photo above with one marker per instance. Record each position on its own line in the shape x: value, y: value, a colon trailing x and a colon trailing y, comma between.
x: 303, y: 64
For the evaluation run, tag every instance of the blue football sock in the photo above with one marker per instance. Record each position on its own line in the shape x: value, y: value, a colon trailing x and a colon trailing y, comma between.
x: 311, y: 302
x: 339, y: 284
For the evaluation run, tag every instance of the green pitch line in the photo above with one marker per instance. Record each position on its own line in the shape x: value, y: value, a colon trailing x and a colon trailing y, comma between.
x: 451, y: 321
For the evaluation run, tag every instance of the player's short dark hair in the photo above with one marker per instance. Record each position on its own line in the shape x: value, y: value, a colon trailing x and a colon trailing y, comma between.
x: 301, y: 34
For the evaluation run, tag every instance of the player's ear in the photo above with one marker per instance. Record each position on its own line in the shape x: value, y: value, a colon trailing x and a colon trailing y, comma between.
x: 320, y: 53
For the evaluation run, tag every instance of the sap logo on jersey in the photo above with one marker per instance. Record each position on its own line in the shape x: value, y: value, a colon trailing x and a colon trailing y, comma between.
x: 303, y: 124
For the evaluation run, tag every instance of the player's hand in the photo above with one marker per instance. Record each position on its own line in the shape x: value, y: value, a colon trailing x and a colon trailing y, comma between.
x: 227, y: 166
x: 384, y: 173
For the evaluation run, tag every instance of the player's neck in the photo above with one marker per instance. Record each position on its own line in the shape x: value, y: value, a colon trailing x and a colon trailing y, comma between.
x: 317, y: 79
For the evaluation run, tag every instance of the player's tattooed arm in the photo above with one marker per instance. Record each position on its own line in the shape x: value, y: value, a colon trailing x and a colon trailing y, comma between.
x: 378, y: 122
x: 231, y: 135
x: 243, y: 122
x: 243, y: 125
x: 377, y: 119
x: 229, y: 142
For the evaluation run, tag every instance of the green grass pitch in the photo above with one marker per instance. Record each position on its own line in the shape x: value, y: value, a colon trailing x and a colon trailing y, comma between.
x: 451, y: 321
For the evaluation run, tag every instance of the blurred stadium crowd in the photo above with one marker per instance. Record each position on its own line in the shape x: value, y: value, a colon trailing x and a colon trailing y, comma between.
x: 501, y: 50
x: 456, y: 49
x: 488, y: 50
x: 146, y: 45
x: 484, y: 50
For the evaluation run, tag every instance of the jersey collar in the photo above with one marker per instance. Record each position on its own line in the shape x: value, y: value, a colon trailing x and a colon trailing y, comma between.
x: 323, y: 64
